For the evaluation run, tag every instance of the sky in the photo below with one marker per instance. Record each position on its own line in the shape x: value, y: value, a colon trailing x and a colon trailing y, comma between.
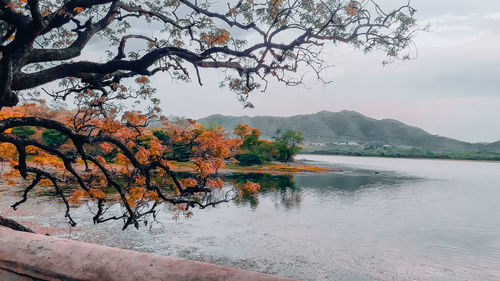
x: 452, y: 88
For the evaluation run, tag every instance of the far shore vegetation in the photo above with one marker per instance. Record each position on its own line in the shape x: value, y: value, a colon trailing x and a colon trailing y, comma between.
x: 409, y: 153
x: 254, y: 155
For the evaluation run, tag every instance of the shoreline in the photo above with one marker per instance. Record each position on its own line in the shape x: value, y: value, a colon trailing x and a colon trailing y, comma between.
x: 401, y: 157
x: 275, y: 168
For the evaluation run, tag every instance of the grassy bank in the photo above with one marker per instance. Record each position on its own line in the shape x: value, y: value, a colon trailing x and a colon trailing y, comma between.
x: 291, y: 167
x: 270, y: 168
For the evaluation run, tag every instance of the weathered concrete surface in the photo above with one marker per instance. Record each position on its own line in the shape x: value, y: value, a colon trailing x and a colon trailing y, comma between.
x: 26, y: 256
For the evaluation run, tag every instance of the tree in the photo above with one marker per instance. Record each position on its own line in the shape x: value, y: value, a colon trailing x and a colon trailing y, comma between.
x: 180, y: 150
x: 53, y: 138
x: 140, y: 171
x: 41, y: 53
x: 250, y: 149
x: 23, y: 132
x: 253, y: 150
x: 288, y: 143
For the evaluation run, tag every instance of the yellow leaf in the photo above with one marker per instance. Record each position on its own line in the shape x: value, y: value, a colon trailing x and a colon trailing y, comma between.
x: 96, y: 193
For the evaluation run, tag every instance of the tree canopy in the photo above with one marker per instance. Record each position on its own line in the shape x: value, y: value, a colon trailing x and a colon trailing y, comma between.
x: 288, y: 143
x: 45, y: 41
x: 48, y: 51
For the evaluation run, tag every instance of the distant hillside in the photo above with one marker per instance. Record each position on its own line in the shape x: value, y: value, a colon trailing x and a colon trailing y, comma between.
x: 494, y: 146
x: 351, y: 127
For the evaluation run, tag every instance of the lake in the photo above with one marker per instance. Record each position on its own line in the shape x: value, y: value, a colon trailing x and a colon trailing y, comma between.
x: 378, y: 219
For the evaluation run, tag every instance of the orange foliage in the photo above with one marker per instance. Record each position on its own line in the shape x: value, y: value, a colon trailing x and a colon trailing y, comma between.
x: 106, y: 147
x: 189, y: 182
x: 142, y: 79
x: 209, y: 149
x: 12, y: 173
x: 243, y: 130
x: 204, y: 168
x: 153, y: 195
x: 352, y: 8
x: 121, y: 159
x: 134, y: 118
x: 96, y: 193
x: 140, y: 180
x: 217, y: 182
x: 45, y: 182
x: 274, y: 7
x: 251, y: 187
x: 135, y: 193
x: 7, y: 151
x: 142, y: 155
x: 76, y: 197
x: 282, y: 168
x: 218, y: 38
x: 155, y: 148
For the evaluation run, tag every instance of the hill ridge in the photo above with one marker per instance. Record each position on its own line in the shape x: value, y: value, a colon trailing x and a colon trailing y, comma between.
x: 349, y: 126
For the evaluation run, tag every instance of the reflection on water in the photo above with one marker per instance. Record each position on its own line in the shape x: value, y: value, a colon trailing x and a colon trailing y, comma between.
x: 281, y: 188
x: 379, y: 219
x: 287, y: 190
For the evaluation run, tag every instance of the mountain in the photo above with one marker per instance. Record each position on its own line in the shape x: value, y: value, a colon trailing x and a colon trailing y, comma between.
x: 351, y: 127
x: 494, y: 146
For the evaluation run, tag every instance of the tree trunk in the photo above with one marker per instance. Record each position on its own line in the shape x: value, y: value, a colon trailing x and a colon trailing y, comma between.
x: 13, y: 225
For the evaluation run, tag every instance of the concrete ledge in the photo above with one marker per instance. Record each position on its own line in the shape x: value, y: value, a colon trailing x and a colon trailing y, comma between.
x: 26, y: 256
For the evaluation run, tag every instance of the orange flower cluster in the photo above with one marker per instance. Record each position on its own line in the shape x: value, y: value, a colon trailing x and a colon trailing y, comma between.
x: 243, y: 130
x: 217, y: 182
x: 78, y: 10
x: 77, y: 195
x: 352, y: 8
x: 251, y: 187
x: 96, y: 193
x: 189, y: 182
x: 274, y: 8
x: 217, y: 38
x: 142, y: 79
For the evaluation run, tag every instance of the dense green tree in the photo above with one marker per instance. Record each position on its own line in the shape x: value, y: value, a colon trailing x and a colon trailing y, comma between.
x: 24, y: 132
x: 251, y: 141
x: 161, y: 136
x: 249, y: 159
x: 53, y: 138
x: 256, y: 151
x: 288, y: 144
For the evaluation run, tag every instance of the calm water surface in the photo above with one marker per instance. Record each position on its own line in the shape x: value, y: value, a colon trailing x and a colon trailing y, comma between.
x: 378, y: 219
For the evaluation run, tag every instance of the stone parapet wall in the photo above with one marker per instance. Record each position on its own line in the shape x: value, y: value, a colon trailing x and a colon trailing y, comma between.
x: 26, y: 256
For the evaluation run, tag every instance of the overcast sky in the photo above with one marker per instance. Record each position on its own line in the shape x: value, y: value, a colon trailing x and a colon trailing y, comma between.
x: 452, y: 88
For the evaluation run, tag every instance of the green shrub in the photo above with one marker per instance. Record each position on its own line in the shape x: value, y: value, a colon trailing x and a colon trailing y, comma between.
x: 288, y: 144
x: 53, y: 138
x: 23, y: 132
x: 249, y: 159
x: 161, y: 136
